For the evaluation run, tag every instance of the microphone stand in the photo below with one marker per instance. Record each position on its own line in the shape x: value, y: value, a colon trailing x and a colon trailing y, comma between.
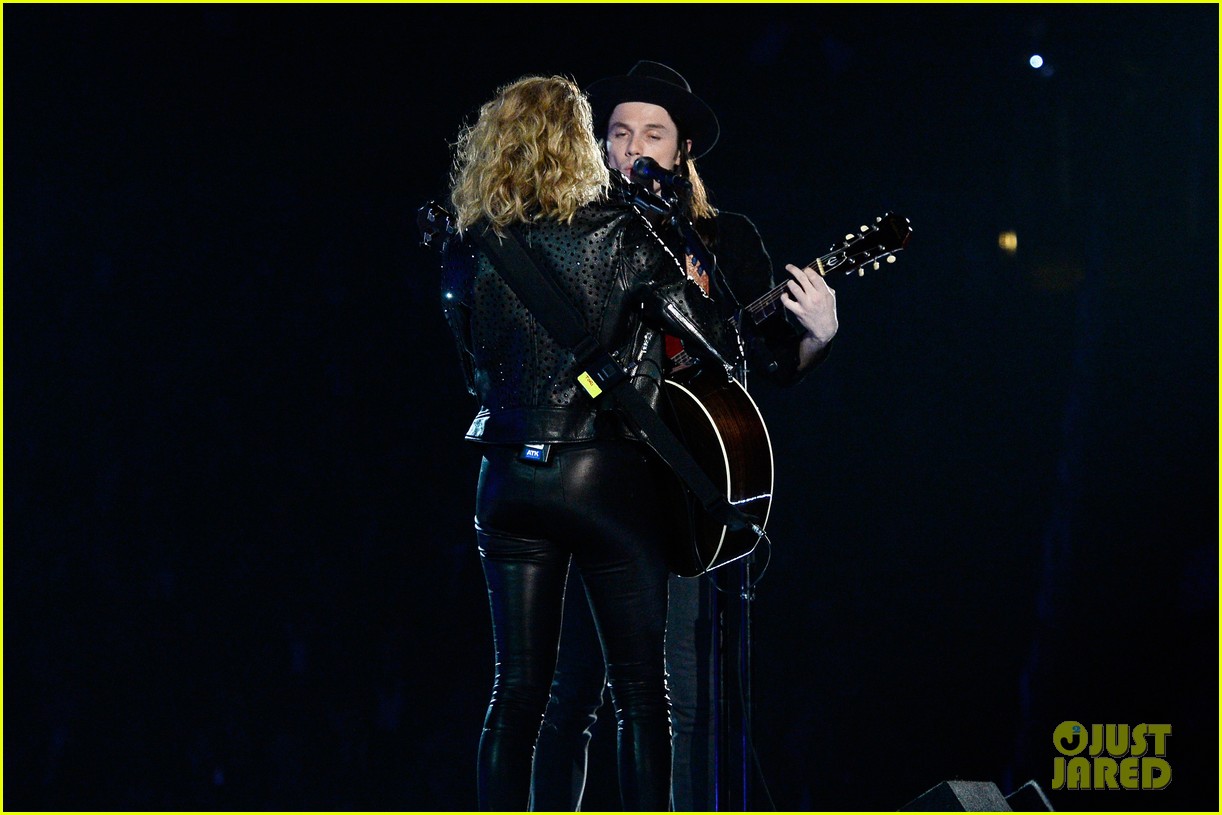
x: 731, y: 656
x: 732, y: 644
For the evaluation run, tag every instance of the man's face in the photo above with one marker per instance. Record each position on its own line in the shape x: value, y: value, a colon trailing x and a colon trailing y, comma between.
x: 638, y: 129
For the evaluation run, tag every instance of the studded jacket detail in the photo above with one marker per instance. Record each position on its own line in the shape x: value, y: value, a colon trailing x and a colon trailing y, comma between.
x: 624, y: 282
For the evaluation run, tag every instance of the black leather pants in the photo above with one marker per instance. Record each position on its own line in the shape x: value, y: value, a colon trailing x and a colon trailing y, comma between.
x: 603, y: 504
x: 561, y: 753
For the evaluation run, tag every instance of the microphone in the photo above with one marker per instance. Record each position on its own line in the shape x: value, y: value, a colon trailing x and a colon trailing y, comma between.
x: 646, y: 168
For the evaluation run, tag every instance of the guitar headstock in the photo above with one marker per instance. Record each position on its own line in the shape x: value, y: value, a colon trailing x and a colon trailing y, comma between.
x: 433, y: 220
x: 887, y: 235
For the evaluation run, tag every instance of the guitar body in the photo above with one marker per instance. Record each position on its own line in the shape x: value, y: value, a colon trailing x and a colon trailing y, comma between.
x: 723, y: 429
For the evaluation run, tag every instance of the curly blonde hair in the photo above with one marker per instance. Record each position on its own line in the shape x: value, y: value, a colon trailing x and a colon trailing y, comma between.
x: 530, y: 154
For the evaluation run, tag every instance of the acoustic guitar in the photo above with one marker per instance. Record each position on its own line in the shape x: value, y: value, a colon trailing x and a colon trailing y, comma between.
x: 722, y: 426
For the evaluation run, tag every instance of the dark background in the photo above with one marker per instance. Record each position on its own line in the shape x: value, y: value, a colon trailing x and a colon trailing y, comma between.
x: 239, y: 565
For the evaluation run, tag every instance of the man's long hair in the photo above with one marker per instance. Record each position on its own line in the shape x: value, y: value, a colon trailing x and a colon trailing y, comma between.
x: 530, y: 154
x: 698, y: 204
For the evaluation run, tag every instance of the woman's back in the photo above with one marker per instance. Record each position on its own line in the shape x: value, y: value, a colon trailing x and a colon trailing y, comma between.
x: 526, y: 382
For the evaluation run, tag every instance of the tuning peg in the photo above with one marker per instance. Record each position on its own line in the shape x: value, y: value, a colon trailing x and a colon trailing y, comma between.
x: 891, y: 258
x: 864, y: 229
x: 878, y: 220
x: 849, y: 236
x: 861, y: 271
x: 876, y: 265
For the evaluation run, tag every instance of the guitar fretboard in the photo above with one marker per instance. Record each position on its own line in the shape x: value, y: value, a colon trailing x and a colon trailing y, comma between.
x: 889, y: 235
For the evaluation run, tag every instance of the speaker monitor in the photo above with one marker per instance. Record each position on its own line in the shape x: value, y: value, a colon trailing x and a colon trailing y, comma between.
x: 1029, y: 798
x: 959, y: 796
x: 978, y: 796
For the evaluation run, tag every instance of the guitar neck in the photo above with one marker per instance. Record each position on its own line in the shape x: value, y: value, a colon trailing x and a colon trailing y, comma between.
x: 768, y: 305
x: 889, y: 235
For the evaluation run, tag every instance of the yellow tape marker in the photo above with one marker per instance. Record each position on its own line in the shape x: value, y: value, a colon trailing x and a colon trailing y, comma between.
x: 590, y: 385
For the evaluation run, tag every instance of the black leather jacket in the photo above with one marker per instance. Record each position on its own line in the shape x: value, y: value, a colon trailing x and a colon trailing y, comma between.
x: 625, y: 283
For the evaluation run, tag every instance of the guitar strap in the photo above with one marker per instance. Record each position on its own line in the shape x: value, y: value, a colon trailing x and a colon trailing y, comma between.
x: 601, y: 375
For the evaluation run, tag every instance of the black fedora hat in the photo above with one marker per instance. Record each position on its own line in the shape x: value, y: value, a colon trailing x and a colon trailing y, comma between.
x: 657, y: 84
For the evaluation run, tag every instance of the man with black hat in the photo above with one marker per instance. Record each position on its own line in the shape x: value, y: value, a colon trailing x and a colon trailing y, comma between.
x: 651, y: 112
